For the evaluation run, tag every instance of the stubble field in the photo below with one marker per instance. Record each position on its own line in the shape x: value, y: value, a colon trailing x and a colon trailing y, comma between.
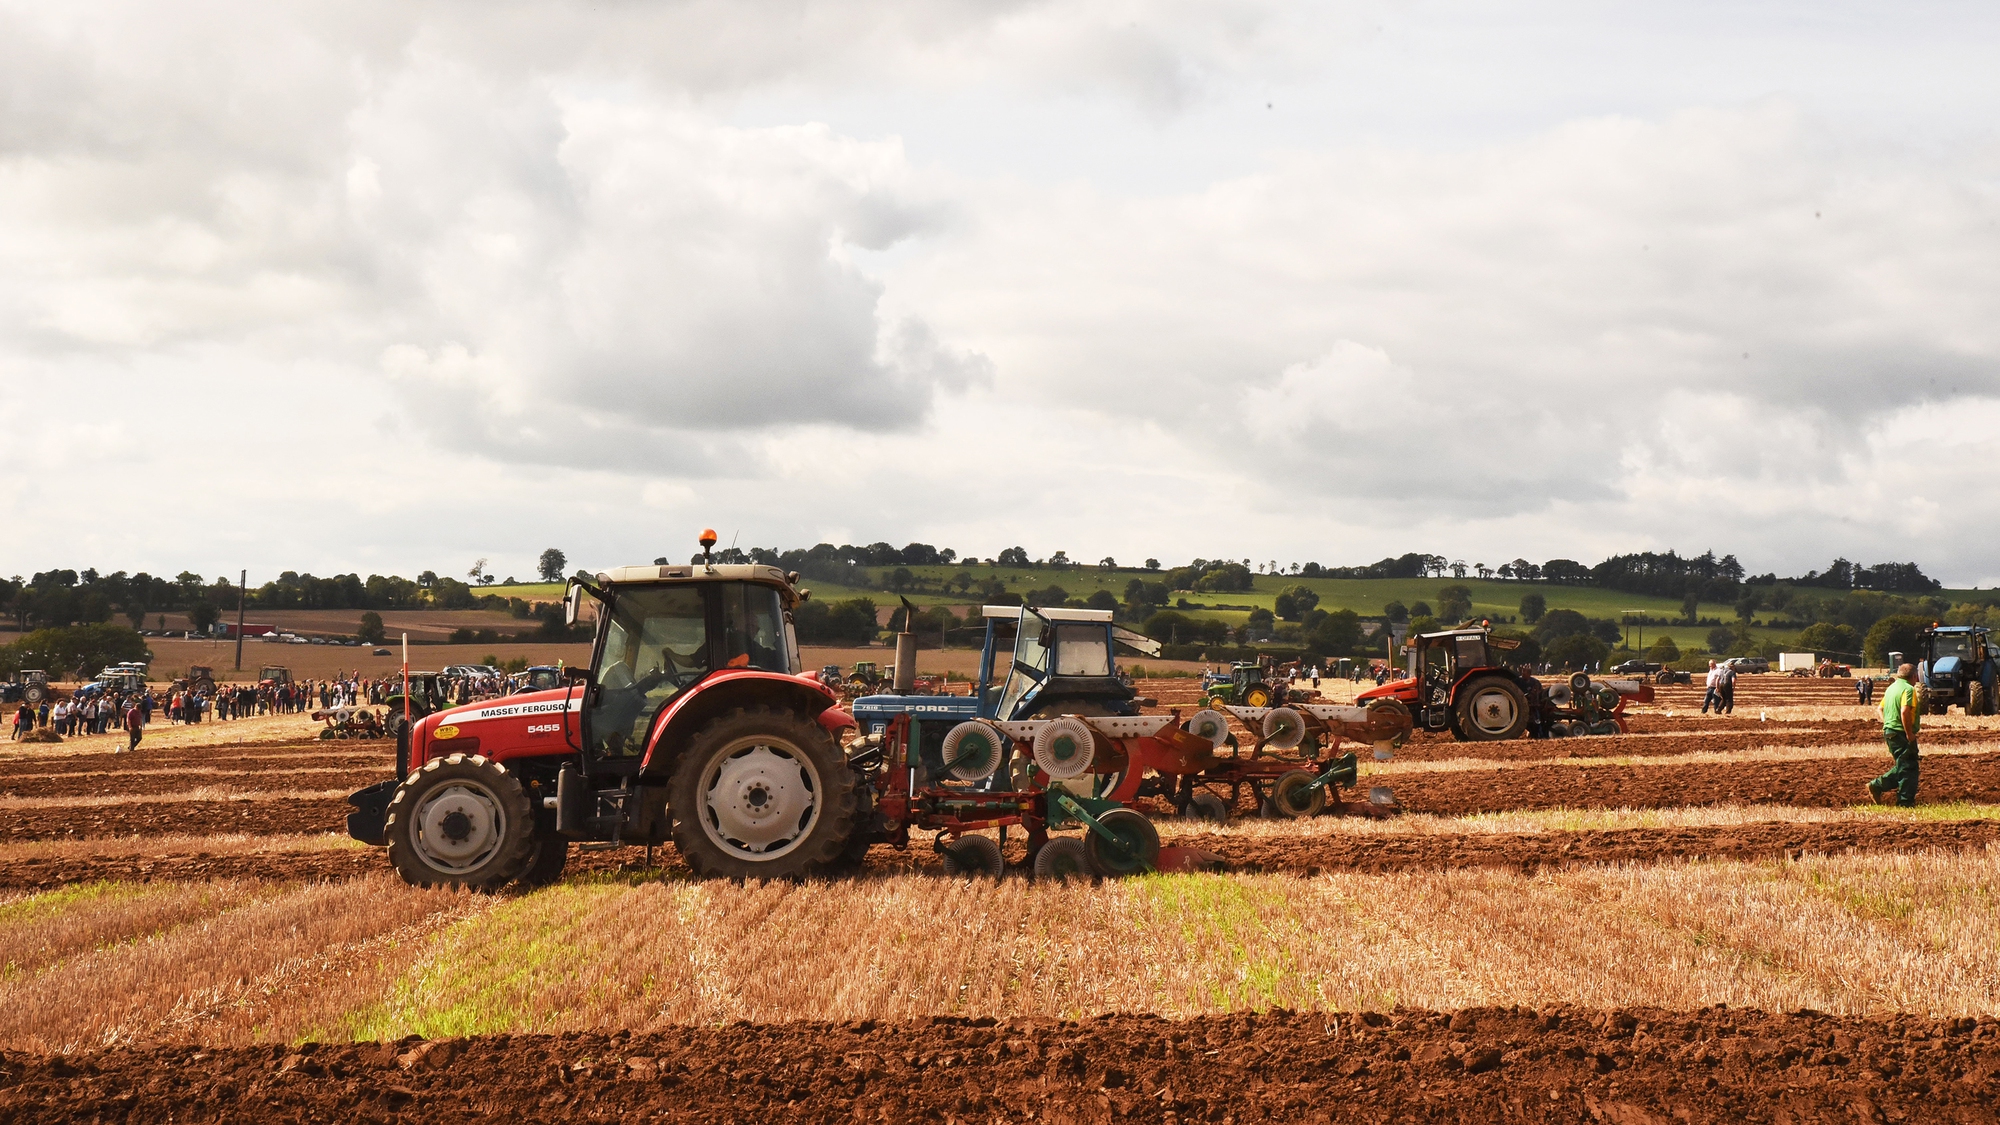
x: 1698, y: 921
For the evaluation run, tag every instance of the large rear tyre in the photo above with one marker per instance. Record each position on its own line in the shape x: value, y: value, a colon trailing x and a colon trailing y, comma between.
x: 1129, y: 844
x: 1490, y: 709
x: 1258, y: 696
x: 761, y: 794
x: 1976, y: 700
x: 34, y: 693
x: 460, y: 821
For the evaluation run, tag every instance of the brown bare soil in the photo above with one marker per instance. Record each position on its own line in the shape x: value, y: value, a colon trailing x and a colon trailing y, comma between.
x: 1529, y: 851
x: 1817, y: 783
x: 263, y: 816
x: 1625, y: 1067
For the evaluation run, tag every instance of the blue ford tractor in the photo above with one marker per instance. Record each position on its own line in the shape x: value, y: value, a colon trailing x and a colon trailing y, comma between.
x: 1958, y: 667
x: 1062, y: 665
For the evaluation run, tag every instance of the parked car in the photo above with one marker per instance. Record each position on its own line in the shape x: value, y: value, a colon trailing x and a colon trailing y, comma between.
x: 1749, y: 664
x: 1636, y: 668
x: 380, y: 652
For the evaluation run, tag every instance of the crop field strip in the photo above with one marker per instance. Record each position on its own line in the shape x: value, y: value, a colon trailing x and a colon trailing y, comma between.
x: 239, y: 962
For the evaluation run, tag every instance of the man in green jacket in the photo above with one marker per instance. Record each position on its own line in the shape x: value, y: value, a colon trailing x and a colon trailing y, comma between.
x: 1900, y: 707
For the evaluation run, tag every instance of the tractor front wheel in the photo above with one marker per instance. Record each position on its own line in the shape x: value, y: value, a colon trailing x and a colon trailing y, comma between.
x: 460, y: 821
x: 761, y: 794
x: 1259, y: 696
x: 1490, y: 710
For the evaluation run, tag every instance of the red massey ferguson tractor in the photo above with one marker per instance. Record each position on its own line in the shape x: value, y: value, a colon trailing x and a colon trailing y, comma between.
x: 692, y: 703
x: 1457, y: 682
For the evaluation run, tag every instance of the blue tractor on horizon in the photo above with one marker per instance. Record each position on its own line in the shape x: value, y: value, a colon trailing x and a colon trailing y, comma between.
x: 1959, y: 667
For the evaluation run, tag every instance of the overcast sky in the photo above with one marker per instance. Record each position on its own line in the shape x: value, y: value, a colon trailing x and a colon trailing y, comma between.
x: 385, y: 287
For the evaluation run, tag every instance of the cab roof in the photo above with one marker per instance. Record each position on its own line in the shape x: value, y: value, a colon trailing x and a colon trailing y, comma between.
x: 1053, y: 613
x: 699, y: 572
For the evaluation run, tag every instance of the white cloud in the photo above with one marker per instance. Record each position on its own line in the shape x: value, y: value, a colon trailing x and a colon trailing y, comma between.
x: 548, y: 245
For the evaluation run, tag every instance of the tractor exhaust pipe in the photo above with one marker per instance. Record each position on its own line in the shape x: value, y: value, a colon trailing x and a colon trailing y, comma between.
x: 905, y: 680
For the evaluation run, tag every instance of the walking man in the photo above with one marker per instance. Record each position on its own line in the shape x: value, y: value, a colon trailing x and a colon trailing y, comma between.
x: 1727, y: 684
x: 135, y: 725
x: 1900, y: 705
x: 1714, y: 685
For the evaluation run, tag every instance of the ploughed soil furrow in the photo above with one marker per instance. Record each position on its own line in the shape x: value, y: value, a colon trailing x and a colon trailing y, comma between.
x: 205, y: 757
x: 1370, y: 854
x: 260, y: 817
x: 239, y: 778
x: 1817, y: 783
x: 1434, y: 748
x: 1529, y: 851
x: 1556, y: 1064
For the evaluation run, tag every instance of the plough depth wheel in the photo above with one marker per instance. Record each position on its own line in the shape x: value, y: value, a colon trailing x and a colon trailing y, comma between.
x: 1129, y: 844
x: 1293, y: 795
x: 1061, y: 860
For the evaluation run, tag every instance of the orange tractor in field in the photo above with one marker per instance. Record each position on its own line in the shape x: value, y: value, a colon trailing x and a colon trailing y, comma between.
x: 1456, y: 681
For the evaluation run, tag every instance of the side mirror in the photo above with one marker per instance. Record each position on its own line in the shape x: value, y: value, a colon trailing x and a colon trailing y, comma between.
x: 572, y: 603
x: 1048, y: 637
x: 576, y: 674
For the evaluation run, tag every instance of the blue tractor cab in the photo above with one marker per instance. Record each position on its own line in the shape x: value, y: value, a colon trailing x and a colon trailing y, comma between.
x: 1958, y: 667
x: 1057, y: 662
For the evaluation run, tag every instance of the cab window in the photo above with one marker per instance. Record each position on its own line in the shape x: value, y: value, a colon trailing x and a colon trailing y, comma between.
x: 655, y: 645
x: 753, y: 628
x: 1081, y: 650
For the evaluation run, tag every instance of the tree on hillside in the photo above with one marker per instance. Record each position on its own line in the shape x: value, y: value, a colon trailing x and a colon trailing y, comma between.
x: 1827, y: 639
x: 1664, y: 651
x: 371, y: 631
x: 1396, y: 611
x: 551, y: 565
x: 1559, y: 623
x: 1901, y: 632
x: 1721, y: 638
x: 1532, y: 607
x: 1014, y: 556
x: 1577, y: 651
x: 1292, y: 602
x: 1337, y: 633
x: 1454, y: 603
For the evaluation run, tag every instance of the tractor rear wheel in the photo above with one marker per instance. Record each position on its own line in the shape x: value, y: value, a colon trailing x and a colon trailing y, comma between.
x: 1257, y: 696
x: 460, y: 821
x: 1976, y: 702
x: 761, y: 794
x: 34, y: 693
x: 1292, y: 798
x: 1490, y: 709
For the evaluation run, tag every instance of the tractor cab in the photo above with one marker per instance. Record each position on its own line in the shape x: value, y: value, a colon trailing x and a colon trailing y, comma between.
x: 1062, y: 663
x: 541, y: 677
x: 271, y: 675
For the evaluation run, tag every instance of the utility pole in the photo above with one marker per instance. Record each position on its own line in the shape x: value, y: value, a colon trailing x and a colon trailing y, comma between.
x: 242, y: 585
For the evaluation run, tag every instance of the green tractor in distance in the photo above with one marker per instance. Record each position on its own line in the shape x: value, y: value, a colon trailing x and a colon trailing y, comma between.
x: 866, y: 675
x: 1245, y: 685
